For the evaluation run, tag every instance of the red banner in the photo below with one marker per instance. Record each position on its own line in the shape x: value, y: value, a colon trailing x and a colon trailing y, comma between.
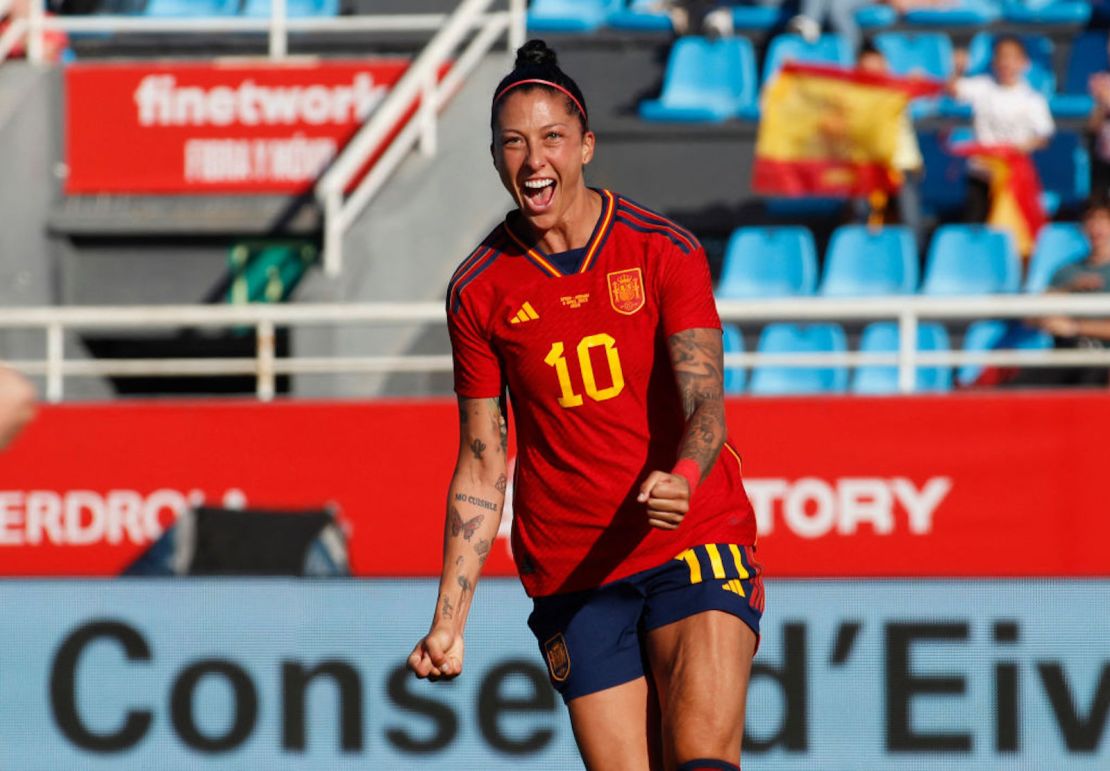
x: 184, y: 127
x: 961, y: 485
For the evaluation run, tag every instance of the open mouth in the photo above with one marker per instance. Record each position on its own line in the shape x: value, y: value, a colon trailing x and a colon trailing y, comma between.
x: 538, y: 194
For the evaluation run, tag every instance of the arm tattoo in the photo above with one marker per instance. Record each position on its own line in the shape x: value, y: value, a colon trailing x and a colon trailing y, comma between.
x: 697, y: 359
x: 464, y: 583
x: 502, y: 484
x: 448, y: 612
x: 477, y: 447
x: 482, y: 547
x: 498, y: 423
x: 464, y: 498
x: 467, y: 527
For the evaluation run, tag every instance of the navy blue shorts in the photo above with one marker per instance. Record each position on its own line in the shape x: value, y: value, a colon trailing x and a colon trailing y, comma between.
x: 592, y: 639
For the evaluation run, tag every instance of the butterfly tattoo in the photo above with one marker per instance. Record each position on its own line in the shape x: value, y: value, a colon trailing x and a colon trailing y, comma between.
x: 468, y: 527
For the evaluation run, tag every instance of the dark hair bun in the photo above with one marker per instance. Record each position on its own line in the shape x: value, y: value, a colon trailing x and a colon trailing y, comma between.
x: 535, y: 52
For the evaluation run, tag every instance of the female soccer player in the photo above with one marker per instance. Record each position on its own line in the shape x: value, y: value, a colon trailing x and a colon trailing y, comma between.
x: 632, y: 531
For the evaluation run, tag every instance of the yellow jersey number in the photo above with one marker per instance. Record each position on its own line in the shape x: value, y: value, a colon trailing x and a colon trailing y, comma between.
x: 556, y: 358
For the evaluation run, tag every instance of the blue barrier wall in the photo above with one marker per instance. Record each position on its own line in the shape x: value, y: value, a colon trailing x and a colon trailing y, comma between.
x: 276, y: 674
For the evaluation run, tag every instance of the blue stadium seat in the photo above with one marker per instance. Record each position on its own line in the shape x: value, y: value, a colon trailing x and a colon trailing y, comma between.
x: 769, y: 262
x: 800, y: 338
x: 828, y: 49
x: 924, y: 53
x: 570, y: 15
x: 293, y: 8
x: 964, y: 13
x: 971, y: 259
x: 1038, y: 12
x: 871, y: 17
x: 705, y: 81
x: 759, y: 17
x: 882, y: 337
x: 1058, y: 244
x: 862, y: 262
x: 1064, y: 167
x: 1088, y: 55
x: 944, y: 186
x: 733, y: 342
x: 990, y: 335
x: 190, y: 8
x: 641, y: 15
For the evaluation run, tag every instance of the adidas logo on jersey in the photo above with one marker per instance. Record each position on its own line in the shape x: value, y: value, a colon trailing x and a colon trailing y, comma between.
x: 734, y: 586
x: 526, y: 313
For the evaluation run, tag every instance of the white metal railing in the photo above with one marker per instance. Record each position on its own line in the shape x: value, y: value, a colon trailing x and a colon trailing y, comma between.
x: 266, y: 365
x: 420, y: 83
x: 277, y: 26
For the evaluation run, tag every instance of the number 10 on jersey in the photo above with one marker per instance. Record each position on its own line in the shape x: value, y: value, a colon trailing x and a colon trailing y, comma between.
x: 556, y: 358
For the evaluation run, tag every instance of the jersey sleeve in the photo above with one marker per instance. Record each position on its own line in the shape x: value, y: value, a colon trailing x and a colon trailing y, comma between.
x: 477, y: 367
x: 686, y: 297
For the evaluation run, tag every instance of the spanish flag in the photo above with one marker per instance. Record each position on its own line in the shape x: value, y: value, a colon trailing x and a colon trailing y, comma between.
x: 1015, y: 191
x: 828, y: 131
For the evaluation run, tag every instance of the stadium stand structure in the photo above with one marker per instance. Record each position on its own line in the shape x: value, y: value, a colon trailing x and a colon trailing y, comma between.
x: 771, y: 380
x: 882, y: 337
x: 127, y: 249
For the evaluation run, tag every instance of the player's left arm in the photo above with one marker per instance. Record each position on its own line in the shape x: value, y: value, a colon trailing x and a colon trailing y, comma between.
x: 697, y: 358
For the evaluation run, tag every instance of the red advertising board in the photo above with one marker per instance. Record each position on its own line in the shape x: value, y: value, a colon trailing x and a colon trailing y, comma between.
x: 190, y: 127
x: 961, y: 485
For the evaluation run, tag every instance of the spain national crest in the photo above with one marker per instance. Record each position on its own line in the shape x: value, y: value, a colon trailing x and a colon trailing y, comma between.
x: 626, y: 291
x: 558, y: 659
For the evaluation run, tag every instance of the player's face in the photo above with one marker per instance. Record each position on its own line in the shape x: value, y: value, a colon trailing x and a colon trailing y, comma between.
x: 539, y: 149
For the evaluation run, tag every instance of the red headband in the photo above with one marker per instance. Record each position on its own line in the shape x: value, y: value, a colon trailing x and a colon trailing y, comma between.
x: 542, y: 82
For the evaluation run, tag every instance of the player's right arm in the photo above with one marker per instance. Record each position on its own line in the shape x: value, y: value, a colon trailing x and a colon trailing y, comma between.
x: 475, y: 499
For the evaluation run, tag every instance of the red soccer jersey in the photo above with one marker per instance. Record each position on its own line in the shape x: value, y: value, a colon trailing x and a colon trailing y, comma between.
x: 594, y: 398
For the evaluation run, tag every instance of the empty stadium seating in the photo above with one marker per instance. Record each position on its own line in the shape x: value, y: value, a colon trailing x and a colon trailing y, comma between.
x: 570, y: 15
x: 862, y: 261
x: 962, y: 13
x: 293, y: 8
x: 1036, y: 12
x: 800, y: 338
x: 705, y: 81
x: 1087, y: 56
x: 828, y: 49
x: 883, y: 337
x: 769, y: 262
x: 1064, y: 167
x: 1058, y: 244
x: 917, y: 53
x: 971, y: 259
x: 641, y: 15
x: 989, y: 335
x: 185, y: 8
x: 733, y: 342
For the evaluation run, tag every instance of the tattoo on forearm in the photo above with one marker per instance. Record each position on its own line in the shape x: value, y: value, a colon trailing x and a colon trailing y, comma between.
x: 477, y: 447
x: 459, y: 561
x: 464, y: 498
x: 465, y: 526
x: 482, y: 547
x: 464, y: 583
x: 498, y: 423
x: 697, y: 359
x: 448, y: 612
x: 502, y: 484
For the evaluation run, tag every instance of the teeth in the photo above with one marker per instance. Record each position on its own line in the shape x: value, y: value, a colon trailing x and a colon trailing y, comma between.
x: 536, y: 184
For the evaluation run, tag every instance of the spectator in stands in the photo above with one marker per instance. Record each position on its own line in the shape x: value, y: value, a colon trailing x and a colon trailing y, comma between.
x: 17, y: 404
x: 1090, y: 275
x: 839, y: 15
x: 907, y: 157
x: 1099, y: 125
x: 1006, y: 111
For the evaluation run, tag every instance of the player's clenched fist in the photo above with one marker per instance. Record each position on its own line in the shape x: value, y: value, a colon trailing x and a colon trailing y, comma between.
x: 667, y: 497
x: 439, y: 656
